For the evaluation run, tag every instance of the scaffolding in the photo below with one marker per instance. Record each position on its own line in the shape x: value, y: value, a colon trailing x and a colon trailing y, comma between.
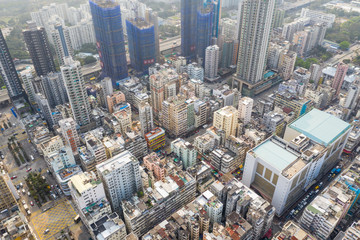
x: 204, y: 32
x: 141, y: 41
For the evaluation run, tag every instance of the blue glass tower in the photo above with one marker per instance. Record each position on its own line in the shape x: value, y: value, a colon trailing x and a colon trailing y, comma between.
x: 215, y: 6
x: 204, y: 31
x: 109, y: 38
x: 188, y: 28
x: 141, y: 40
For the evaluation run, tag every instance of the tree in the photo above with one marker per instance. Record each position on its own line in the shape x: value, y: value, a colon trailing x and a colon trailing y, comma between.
x: 89, y: 59
x: 344, y: 45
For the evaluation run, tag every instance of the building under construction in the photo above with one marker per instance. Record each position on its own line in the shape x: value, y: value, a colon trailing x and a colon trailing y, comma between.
x: 204, y: 32
x: 141, y: 42
x: 189, y: 28
x: 109, y: 38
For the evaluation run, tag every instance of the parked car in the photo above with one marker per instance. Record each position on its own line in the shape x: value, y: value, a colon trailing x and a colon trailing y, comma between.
x: 32, y: 203
x: 13, y: 177
x: 29, y: 169
x: 23, y: 202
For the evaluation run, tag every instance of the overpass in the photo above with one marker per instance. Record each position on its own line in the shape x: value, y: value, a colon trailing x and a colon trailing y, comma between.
x: 170, y: 43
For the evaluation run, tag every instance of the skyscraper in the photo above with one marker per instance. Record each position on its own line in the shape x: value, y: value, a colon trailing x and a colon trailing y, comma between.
x: 339, y: 77
x: 75, y: 88
x: 188, y: 27
x: 204, y: 31
x: 121, y: 178
x: 8, y: 70
x: 39, y: 48
x: 109, y: 38
x: 54, y: 89
x: 212, y: 62
x: 254, y: 19
x: 141, y: 40
x: 146, y: 118
x: 61, y: 39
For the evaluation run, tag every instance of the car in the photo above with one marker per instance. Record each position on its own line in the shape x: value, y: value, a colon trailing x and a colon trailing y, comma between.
x: 21, y: 184
x: 17, y: 187
x: 23, y: 191
x: 46, y: 231
x: 13, y: 177
x: 23, y: 202
x: 23, y: 132
x: 28, y: 212
x: 29, y: 169
x: 32, y: 203
x: 29, y: 194
x: 2, y: 156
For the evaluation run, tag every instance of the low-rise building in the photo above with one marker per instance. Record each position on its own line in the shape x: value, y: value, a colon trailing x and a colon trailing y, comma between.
x: 63, y: 177
x: 155, y: 139
x: 158, y: 203
x: 109, y: 227
x: 291, y: 231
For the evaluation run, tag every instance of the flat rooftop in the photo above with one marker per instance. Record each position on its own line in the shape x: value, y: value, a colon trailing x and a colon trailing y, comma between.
x: 320, y: 126
x: 274, y: 155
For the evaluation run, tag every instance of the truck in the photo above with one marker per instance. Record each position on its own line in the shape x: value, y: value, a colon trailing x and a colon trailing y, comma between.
x: 336, y: 170
x: 32, y: 157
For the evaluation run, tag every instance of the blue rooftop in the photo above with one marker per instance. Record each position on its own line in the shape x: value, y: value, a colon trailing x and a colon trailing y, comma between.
x: 274, y: 155
x: 320, y: 126
x: 268, y: 74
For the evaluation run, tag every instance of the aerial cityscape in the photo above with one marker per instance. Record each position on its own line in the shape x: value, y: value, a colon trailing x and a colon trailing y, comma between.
x: 179, y: 119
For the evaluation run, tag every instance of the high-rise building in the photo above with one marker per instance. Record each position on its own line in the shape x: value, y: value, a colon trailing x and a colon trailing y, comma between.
x: 174, y: 115
x: 62, y: 43
x: 27, y: 78
x: 7, y: 200
x: 39, y: 48
x: 69, y: 133
x: 185, y: 151
x: 110, y: 38
x: 153, y: 18
x: 254, y: 27
x: 96, y: 148
x: 315, y: 71
x: 212, y: 54
x: 43, y: 105
x: 146, y: 118
x: 121, y: 178
x: 245, y: 109
x: 54, y: 89
x: 188, y: 27
x: 204, y: 31
x: 226, y: 120
x: 141, y: 40
x: 155, y: 139
x: 76, y: 91
x: 339, y: 77
x: 287, y: 63
x: 8, y: 70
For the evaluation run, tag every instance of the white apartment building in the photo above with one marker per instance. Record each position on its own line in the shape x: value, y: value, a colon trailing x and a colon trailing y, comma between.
x: 212, y: 54
x: 75, y: 88
x: 185, y: 151
x: 63, y: 158
x: 121, y: 178
x: 245, y: 109
x: 62, y: 43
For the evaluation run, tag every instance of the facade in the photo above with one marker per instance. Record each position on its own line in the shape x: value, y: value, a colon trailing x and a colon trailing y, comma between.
x: 188, y: 28
x: 44, y: 107
x: 60, y: 159
x: 114, y: 99
x: 175, y: 115
x: 146, y: 118
x: 121, y: 178
x: 27, y: 78
x: 110, y: 39
x: 204, y: 31
x: 39, y: 48
x: 96, y: 148
x: 62, y: 42
x: 76, y: 91
x: 185, y: 151
x: 212, y: 54
x: 164, y: 199
x: 123, y: 116
x: 245, y: 109
x: 155, y: 139
x: 141, y: 40
x: 69, y: 133
x: 7, y: 200
x: 8, y: 70
x: 54, y: 89
x: 324, y: 213
x: 353, y: 232
x: 339, y: 77
x: 226, y: 119
x: 254, y: 26
x: 287, y: 64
